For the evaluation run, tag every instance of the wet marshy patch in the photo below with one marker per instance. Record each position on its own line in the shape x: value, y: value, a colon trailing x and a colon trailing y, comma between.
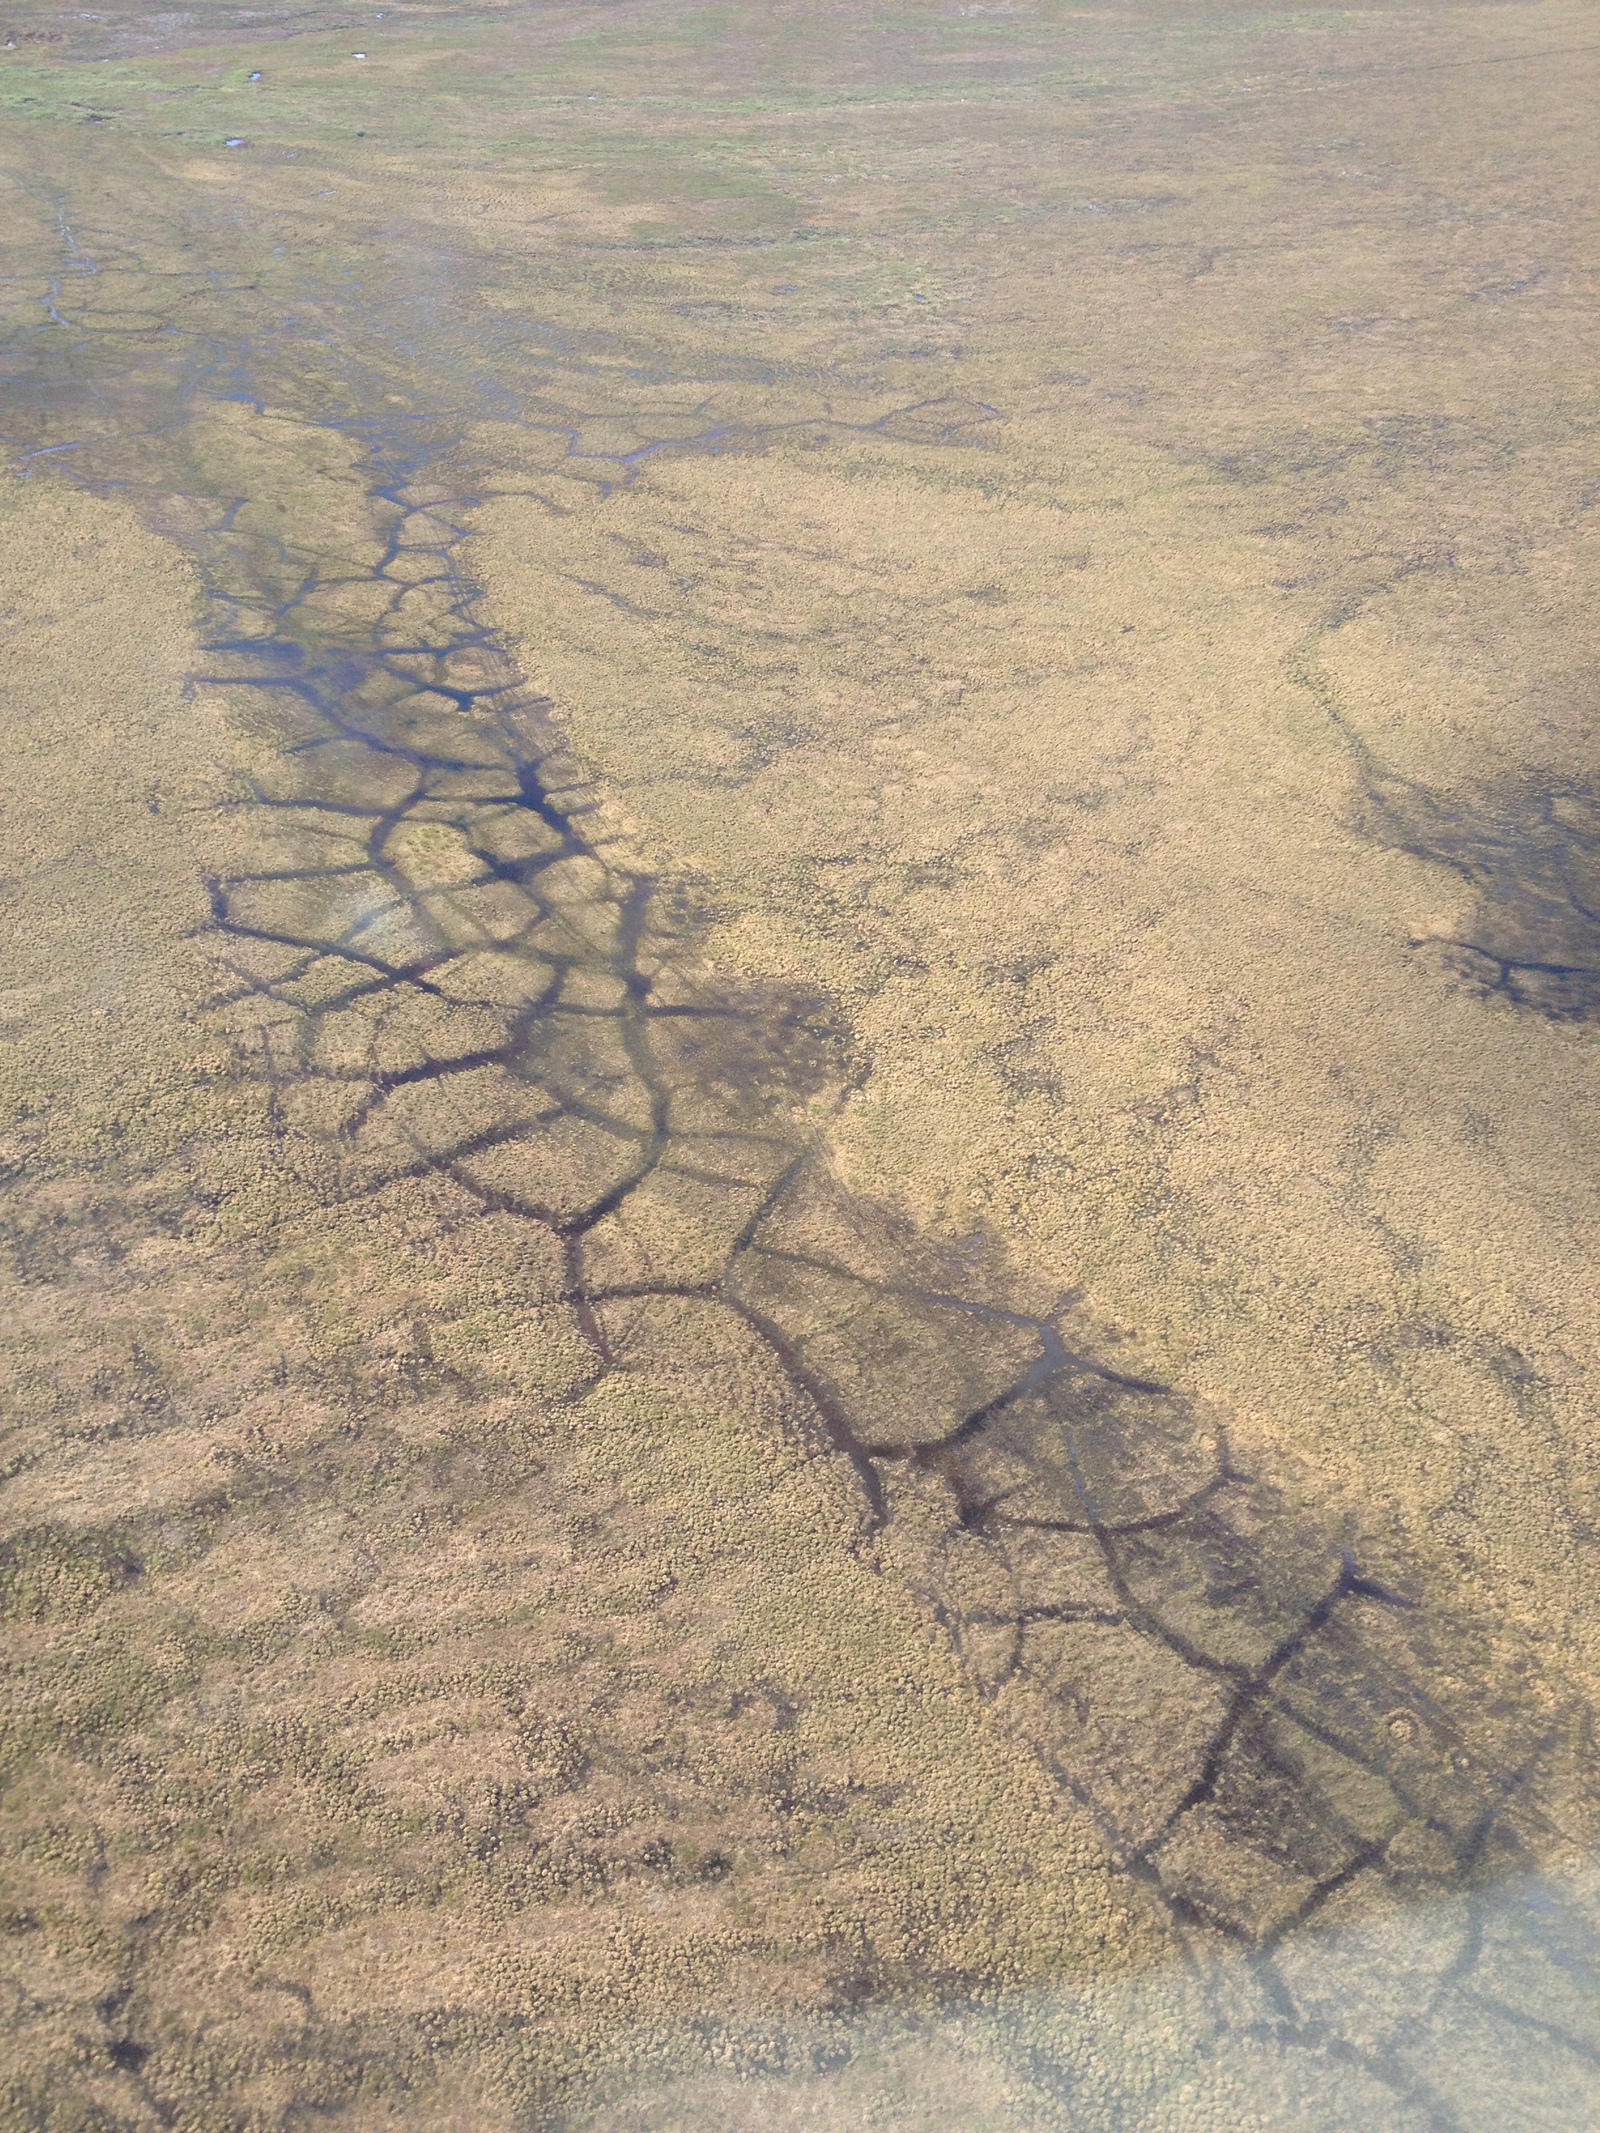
x: 1531, y: 854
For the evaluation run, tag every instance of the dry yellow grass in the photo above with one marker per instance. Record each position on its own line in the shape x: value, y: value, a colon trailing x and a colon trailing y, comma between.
x: 1044, y: 792
x: 544, y: 1586
x: 340, y: 1654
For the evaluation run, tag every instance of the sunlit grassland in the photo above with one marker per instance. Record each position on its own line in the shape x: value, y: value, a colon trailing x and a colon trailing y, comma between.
x: 1058, y: 532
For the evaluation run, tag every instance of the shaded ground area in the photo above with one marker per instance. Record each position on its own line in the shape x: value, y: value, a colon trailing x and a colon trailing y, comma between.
x: 1534, y: 861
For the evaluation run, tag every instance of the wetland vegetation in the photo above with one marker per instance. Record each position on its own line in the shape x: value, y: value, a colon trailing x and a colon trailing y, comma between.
x: 802, y: 960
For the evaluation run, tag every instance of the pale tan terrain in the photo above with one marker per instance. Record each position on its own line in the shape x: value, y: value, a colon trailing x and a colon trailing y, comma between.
x: 799, y: 1324
x: 1136, y: 989
x: 548, y: 1681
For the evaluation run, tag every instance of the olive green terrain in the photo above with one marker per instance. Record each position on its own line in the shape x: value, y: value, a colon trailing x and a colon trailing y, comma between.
x: 802, y: 956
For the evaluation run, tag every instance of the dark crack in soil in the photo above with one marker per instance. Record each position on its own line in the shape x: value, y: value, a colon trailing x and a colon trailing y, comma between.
x: 1529, y: 851
x: 1532, y: 856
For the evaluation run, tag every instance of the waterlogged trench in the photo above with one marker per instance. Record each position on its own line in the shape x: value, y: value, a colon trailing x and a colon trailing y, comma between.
x: 448, y: 964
